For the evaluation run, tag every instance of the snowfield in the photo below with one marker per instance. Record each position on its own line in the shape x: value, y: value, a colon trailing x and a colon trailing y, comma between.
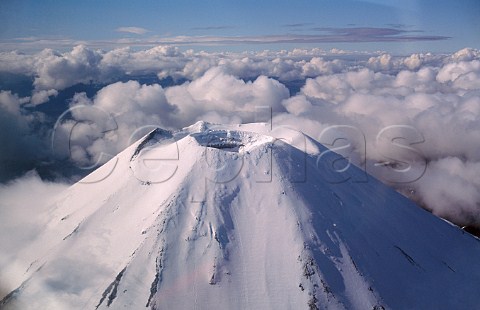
x: 239, y: 217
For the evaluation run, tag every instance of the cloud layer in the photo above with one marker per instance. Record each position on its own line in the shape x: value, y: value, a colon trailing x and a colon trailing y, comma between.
x: 18, y: 201
x: 429, y: 102
x: 302, y: 34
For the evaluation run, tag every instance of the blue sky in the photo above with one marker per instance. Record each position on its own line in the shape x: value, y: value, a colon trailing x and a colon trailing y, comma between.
x: 396, y: 26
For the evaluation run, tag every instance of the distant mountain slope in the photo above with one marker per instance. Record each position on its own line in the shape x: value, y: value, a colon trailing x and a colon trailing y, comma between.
x: 229, y: 217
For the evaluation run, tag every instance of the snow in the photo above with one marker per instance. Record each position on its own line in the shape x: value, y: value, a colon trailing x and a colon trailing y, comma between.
x: 238, y: 217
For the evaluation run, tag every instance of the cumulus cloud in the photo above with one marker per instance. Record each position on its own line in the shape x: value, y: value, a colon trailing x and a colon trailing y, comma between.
x: 17, y: 62
x: 427, y: 103
x: 58, y: 71
x: 441, y: 128
x: 463, y: 74
x: 134, y: 30
x: 43, y: 96
x: 24, y: 208
x: 54, y: 70
x: 20, y: 199
x: 21, y: 145
x: 450, y: 188
x: 104, y: 124
x: 207, y: 94
x: 11, y: 103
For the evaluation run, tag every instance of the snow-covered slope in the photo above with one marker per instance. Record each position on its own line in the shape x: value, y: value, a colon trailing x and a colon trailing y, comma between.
x: 239, y: 217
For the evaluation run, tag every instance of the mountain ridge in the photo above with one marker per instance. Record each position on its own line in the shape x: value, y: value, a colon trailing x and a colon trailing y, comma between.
x: 239, y: 217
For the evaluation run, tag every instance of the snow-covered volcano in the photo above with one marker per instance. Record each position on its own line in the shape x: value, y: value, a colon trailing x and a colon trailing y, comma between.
x: 239, y: 217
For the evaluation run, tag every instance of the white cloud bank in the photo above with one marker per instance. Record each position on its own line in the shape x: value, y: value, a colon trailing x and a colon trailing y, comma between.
x: 19, y: 200
x: 435, y: 97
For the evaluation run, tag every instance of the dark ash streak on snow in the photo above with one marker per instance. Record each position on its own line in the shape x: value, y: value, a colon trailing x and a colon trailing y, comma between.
x: 112, y: 289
